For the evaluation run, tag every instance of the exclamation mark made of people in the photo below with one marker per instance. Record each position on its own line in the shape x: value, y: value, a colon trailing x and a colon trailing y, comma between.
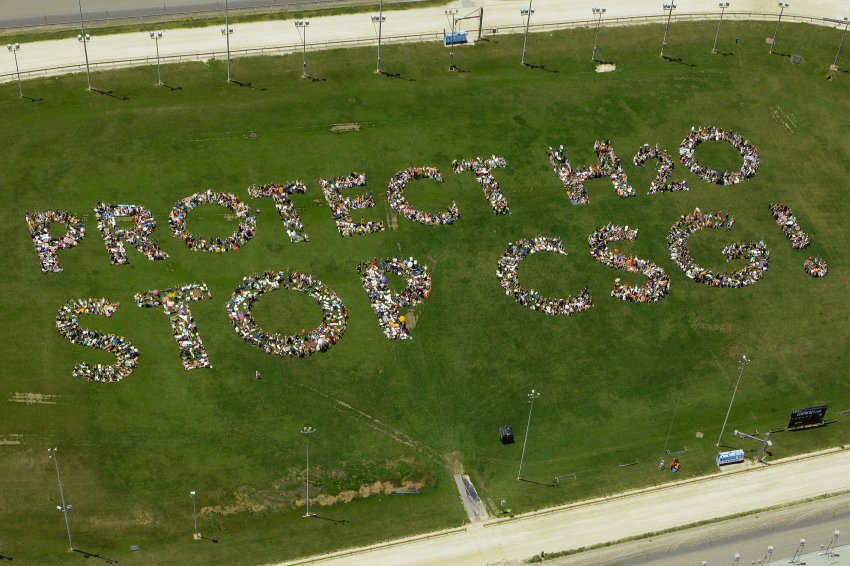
x: 814, y: 266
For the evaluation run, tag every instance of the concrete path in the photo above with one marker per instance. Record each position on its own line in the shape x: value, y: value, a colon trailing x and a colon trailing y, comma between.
x: 473, y: 505
x: 419, y: 24
x: 628, y: 515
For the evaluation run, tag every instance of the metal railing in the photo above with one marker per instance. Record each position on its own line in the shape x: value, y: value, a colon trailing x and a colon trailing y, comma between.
x: 406, y: 38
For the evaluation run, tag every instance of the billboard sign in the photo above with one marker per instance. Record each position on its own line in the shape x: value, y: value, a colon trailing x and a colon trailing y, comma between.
x: 811, y: 416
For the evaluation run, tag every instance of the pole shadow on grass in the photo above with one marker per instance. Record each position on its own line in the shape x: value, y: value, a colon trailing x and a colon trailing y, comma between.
x: 93, y: 555
x: 678, y: 60
x: 336, y: 521
x: 541, y: 68
x: 31, y: 99
x: 172, y: 88
x: 314, y: 79
x: 110, y: 94
x: 538, y: 482
x: 248, y: 85
x: 212, y: 540
x: 725, y: 53
x: 457, y: 69
x: 396, y: 76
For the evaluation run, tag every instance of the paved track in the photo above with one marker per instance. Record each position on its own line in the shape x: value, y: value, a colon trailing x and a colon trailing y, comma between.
x: 203, y: 43
x: 591, y: 523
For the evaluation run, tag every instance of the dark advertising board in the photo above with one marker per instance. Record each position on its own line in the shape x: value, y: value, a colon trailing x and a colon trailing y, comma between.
x: 812, y: 416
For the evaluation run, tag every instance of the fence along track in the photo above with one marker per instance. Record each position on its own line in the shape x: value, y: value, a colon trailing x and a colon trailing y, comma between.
x: 407, y: 38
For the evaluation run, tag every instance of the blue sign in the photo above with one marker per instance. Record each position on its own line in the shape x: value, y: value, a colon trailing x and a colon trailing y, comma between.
x: 730, y: 457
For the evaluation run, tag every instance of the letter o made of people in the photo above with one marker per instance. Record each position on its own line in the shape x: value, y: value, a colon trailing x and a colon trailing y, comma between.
x: 321, y: 338
x: 244, y: 231
x: 699, y: 134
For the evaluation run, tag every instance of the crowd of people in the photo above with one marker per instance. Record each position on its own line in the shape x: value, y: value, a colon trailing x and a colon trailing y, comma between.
x: 283, y: 204
x: 699, y: 134
x: 658, y: 285
x: 665, y: 169
x: 506, y: 272
x: 482, y: 168
x: 302, y: 344
x: 386, y: 304
x: 608, y: 165
x: 397, y: 201
x: 45, y: 246
x: 244, y: 231
x: 341, y: 206
x: 786, y: 220
x: 137, y: 236
x: 68, y: 325
x: 193, y: 355
x: 815, y: 267
x: 756, y: 253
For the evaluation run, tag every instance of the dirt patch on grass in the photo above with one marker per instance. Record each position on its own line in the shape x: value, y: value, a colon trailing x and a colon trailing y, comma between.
x: 452, y: 462
x: 349, y: 127
x: 10, y: 439
x: 33, y: 398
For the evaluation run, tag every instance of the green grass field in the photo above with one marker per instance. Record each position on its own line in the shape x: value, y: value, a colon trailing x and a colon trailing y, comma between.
x: 612, y: 379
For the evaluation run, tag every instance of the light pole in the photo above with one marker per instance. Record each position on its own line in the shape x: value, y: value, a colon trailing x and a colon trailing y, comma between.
x: 830, y: 549
x: 84, y: 38
x: 156, y: 36
x: 64, y: 508
x: 226, y: 31
x: 308, y: 431
x: 798, y: 555
x: 782, y: 6
x: 527, y: 13
x: 741, y: 363
x: 840, y: 44
x: 669, y: 8
x: 766, y: 560
x: 531, y: 397
x: 723, y: 6
x: 196, y: 534
x: 453, y: 14
x: 379, y: 19
x: 597, y: 13
x: 301, y: 26
x: 14, y: 48
x: 736, y: 559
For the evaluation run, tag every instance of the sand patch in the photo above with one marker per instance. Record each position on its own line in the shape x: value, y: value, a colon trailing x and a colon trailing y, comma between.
x: 606, y: 67
x: 33, y: 398
x: 349, y: 127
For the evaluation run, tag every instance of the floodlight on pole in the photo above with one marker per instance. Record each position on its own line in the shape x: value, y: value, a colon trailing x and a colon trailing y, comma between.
x: 301, y: 26
x: 84, y: 38
x: 766, y: 560
x: 531, y: 398
x: 722, y: 6
x: 798, y: 555
x: 156, y: 36
x: 379, y: 19
x: 782, y: 6
x: 226, y: 31
x: 453, y: 14
x: 741, y: 363
x: 840, y: 44
x: 13, y: 49
x: 196, y: 534
x: 527, y: 13
x: 669, y: 9
x: 597, y: 14
x: 308, y: 431
x: 830, y: 549
x: 64, y: 508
